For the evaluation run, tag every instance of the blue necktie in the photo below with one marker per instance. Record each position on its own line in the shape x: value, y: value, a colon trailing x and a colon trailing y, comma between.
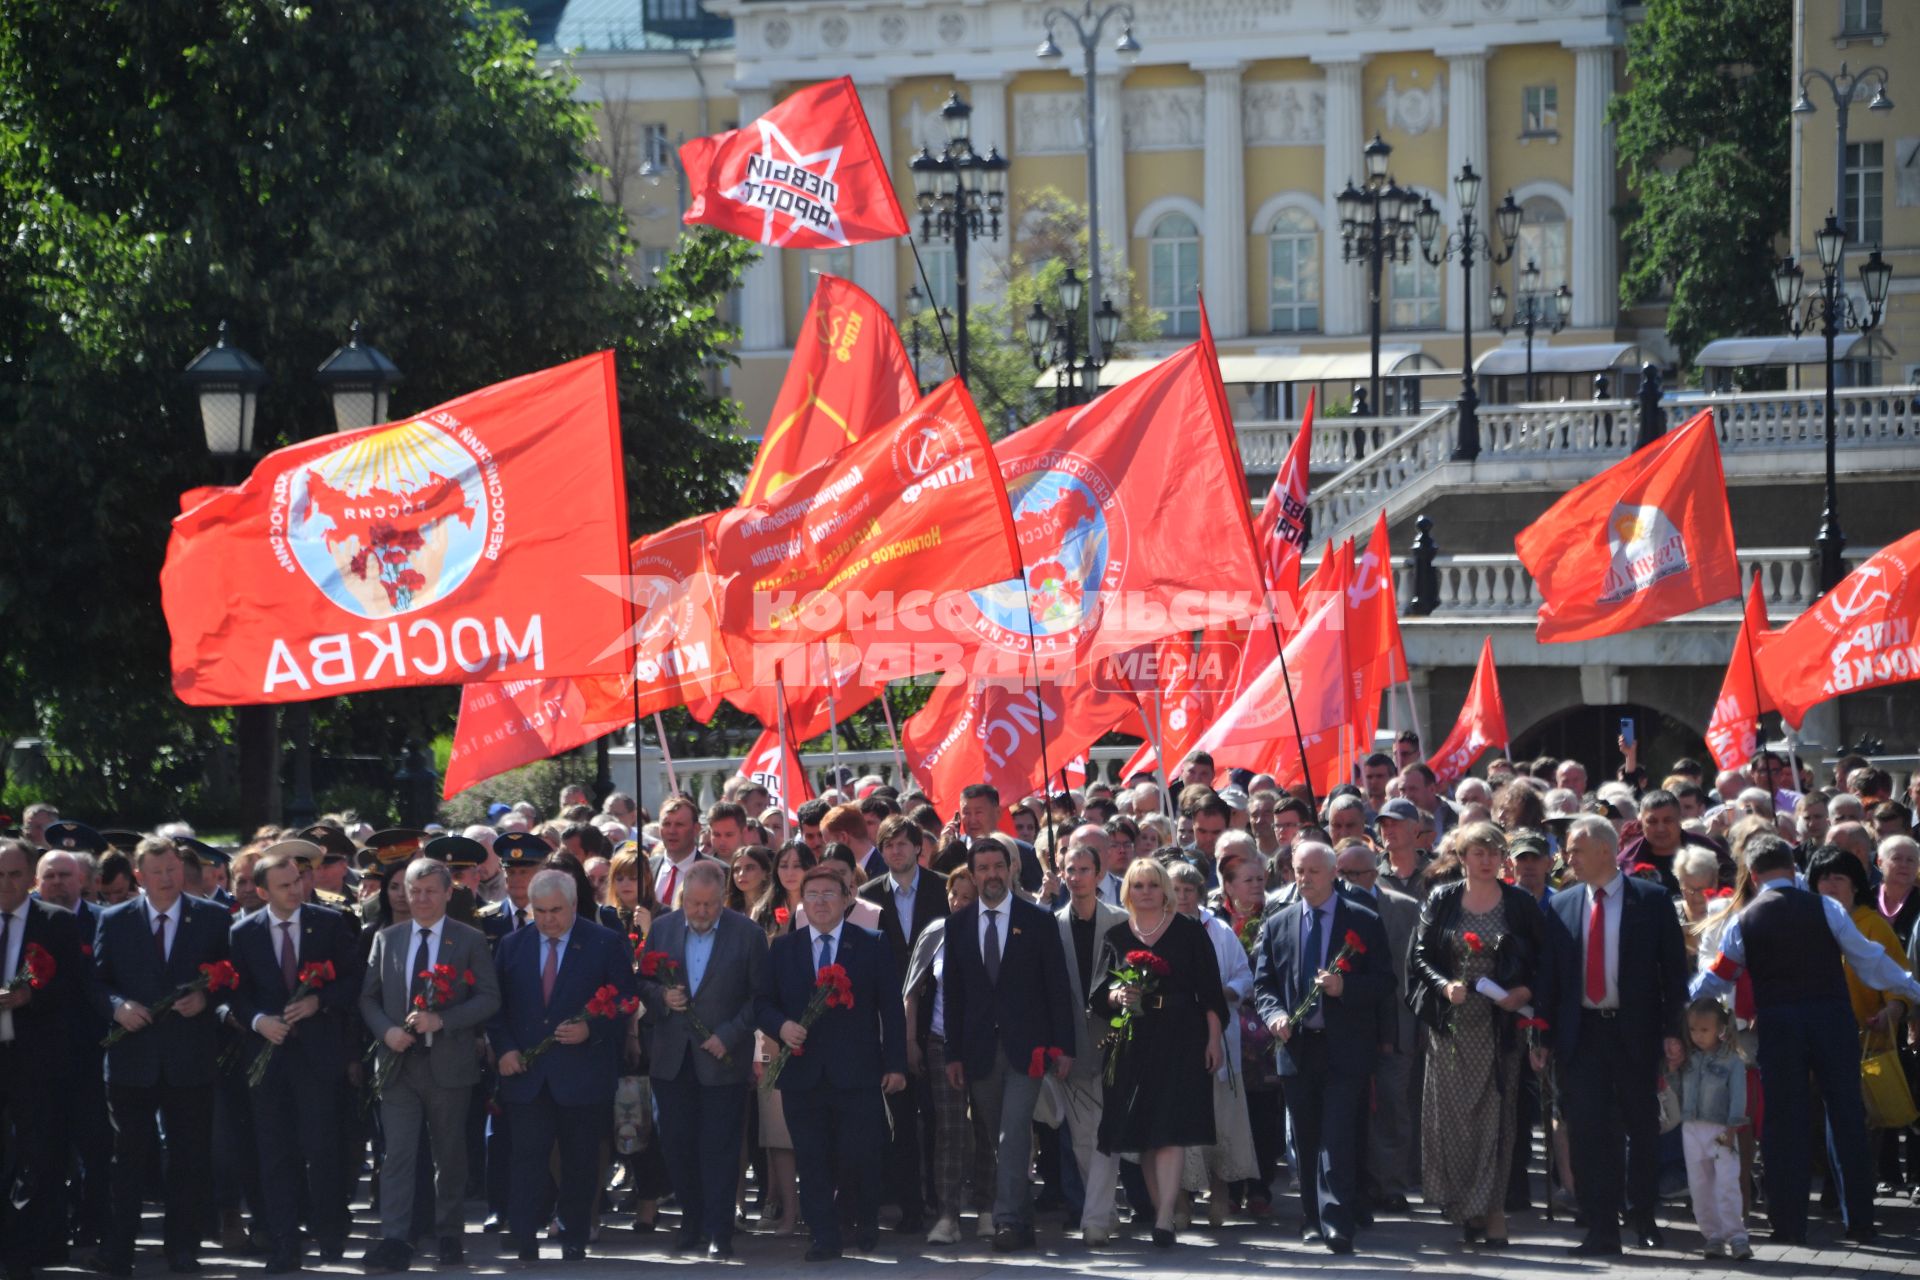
x: 826, y: 952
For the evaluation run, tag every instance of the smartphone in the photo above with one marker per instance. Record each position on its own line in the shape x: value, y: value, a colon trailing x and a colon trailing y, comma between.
x: 1626, y: 730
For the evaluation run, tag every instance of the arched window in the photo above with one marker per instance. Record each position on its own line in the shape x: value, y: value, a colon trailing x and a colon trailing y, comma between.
x: 1173, y: 274
x: 1543, y: 239
x: 1293, y: 272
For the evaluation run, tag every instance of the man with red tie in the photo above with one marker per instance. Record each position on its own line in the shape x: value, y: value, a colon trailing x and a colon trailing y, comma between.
x: 1613, y: 992
x: 679, y: 849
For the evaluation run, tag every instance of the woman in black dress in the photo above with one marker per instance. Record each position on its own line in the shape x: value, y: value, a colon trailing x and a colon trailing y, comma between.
x: 1159, y: 1098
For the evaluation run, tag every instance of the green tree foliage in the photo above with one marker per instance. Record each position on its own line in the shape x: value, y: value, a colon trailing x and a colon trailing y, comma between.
x: 166, y: 164
x: 1703, y: 133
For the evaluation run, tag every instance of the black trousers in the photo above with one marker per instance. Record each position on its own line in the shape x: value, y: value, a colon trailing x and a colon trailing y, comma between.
x: 188, y: 1112
x: 835, y: 1135
x: 905, y: 1175
x: 30, y: 1222
x: 1323, y: 1108
x: 81, y: 1102
x: 537, y: 1126
x: 1613, y: 1128
x: 700, y: 1139
x: 296, y: 1123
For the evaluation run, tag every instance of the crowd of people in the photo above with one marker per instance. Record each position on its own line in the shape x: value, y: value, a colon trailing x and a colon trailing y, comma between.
x: 1108, y: 1009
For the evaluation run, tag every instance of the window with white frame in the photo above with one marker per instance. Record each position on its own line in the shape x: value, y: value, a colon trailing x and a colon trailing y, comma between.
x: 1413, y: 294
x: 1540, y: 111
x: 1866, y: 182
x: 938, y: 259
x: 1860, y: 17
x: 653, y: 145
x: 1173, y: 274
x: 1543, y: 240
x: 1293, y: 273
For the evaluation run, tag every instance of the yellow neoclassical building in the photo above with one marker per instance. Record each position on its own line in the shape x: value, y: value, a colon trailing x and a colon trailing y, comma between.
x: 1220, y: 151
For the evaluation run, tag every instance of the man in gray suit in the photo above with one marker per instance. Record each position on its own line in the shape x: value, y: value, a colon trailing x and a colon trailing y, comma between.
x: 704, y: 970
x: 1084, y: 924
x: 439, y: 1062
x: 1387, y: 1173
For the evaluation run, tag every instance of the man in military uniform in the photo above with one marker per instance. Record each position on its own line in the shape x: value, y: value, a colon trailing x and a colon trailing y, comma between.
x: 206, y: 866
x: 336, y: 853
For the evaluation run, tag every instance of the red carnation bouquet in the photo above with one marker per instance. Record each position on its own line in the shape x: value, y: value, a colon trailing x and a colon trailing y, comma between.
x: 658, y: 964
x: 312, y: 977
x: 220, y: 975
x: 1350, y: 946
x: 606, y: 1004
x: 1043, y: 1057
x: 832, y: 989
x: 435, y: 996
x: 1143, y: 969
x: 36, y: 969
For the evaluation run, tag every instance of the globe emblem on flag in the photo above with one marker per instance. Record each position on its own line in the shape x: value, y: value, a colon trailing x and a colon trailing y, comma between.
x: 1643, y: 547
x: 1065, y: 541
x: 390, y: 522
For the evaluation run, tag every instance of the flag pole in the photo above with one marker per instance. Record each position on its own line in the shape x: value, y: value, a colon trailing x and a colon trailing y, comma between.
x: 1413, y: 712
x: 633, y: 683
x: 1759, y: 717
x: 1160, y: 753
x: 1286, y: 680
x: 1039, y: 699
x: 933, y: 304
x: 787, y: 749
x: 893, y: 736
x: 833, y: 715
x: 666, y: 753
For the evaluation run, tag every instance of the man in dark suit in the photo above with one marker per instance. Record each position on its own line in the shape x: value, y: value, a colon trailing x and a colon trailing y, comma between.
x: 679, y: 849
x: 1613, y: 993
x: 980, y: 820
x: 716, y: 974
x: 439, y: 1065
x: 1007, y: 998
x: 1388, y: 1156
x: 147, y: 948
x: 910, y: 898
x: 36, y: 1024
x: 295, y: 1106
x: 833, y: 1113
x: 547, y: 975
x: 1327, y: 1058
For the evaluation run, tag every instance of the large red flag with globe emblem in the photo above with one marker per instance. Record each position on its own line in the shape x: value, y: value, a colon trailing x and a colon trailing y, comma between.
x: 1859, y: 636
x: 806, y: 175
x: 1648, y: 539
x: 678, y: 654
x: 428, y: 551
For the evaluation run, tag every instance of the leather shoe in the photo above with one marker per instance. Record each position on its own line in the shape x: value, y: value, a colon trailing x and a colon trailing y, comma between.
x: 183, y: 1264
x: 529, y: 1252
x: 332, y: 1250
x: 386, y: 1255
x: 282, y: 1263
x: 494, y: 1224
x: 1339, y: 1244
x: 1312, y: 1237
x: 110, y: 1266
x: 720, y: 1251
x: 1592, y: 1248
x: 867, y: 1241
x: 1862, y: 1235
x: 1395, y: 1203
x: 1009, y: 1239
x: 912, y: 1224
x: 573, y: 1253
x: 821, y: 1253
x: 1649, y: 1237
x: 684, y: 1242
x: 453, y: 1251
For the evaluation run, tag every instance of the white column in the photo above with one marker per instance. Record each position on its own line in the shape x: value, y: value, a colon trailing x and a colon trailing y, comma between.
x: 1596, y: 285
x: 763, y: 303
x: 1467, y: 144
x: 876, y: 265
x: 1343, y: 286
x: 1223, y: 241
x: 1116, y: 220
x: 988, y: 267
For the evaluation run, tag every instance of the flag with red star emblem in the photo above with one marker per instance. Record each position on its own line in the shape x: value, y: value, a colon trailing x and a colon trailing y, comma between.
x: 806, y: 175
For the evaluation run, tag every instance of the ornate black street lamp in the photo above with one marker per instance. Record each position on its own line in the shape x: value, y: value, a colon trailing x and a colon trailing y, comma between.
x: 1055, y: 343
x: 1532, y: 312
x: 961, y: 195
x: 1464, y: 244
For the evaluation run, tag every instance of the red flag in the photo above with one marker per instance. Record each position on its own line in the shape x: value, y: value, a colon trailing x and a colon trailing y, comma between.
x: 915, y: 506
x: 1281, y: 532
x: 1733, y: 735
x: 774, y: 765
x: 989, y: 731
x: 806, y: 175
x: 430, y: 551
x: 1859, y: 636
x: 505, y: 724
x: 1648, y: 539
x: 1375, y: 609
x: 849, y: 374
x: 1482, y: 723
x: 1258, y: 731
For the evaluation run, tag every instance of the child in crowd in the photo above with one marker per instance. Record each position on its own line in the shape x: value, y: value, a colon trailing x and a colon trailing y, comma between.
x: 1712, y: 1086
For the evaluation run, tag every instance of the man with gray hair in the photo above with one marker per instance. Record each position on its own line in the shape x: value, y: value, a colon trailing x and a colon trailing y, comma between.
x: 1797, y: 947
x: 548, y: 974
x: 436, y: 1046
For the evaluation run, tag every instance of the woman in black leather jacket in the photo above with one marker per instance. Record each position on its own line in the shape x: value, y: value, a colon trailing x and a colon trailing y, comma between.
x: 1477, y: 929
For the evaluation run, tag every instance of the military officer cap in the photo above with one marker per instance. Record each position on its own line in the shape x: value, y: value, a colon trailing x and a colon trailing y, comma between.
x: 303, y: 852
x: 458, y: 852
x: 74, y: 837
x: 199, y: 851
x: 521, y: 849
x: 396, y: 846
x: 333, y: 842
x: 121, y: 838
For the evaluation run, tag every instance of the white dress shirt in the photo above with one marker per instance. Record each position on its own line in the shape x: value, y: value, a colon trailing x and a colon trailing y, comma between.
x: 813, y: 942
x: 999, y: 914
x: 1616, y: 890
x: 903, y: 894
x: 10, y: 962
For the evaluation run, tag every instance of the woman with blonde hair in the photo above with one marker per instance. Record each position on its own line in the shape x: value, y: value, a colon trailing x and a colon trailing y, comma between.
x: 1158, y: 1097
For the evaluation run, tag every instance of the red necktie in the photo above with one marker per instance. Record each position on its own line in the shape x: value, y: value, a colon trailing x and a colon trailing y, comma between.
x: 673, y: 878
x: 549, y: 971
x: 1597, y: 949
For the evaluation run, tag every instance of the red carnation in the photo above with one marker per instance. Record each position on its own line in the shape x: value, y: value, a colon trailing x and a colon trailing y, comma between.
x: 781, y: 915
x: 650, y: 963
x: 1037, y: 1065
x: 466, y: 976
x: 1343, y: 964
x: 1355, y: 943
x: 1473, y: 942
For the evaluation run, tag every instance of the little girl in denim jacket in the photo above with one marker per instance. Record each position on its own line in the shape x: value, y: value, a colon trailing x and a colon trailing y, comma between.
x: 1712, y: 1088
